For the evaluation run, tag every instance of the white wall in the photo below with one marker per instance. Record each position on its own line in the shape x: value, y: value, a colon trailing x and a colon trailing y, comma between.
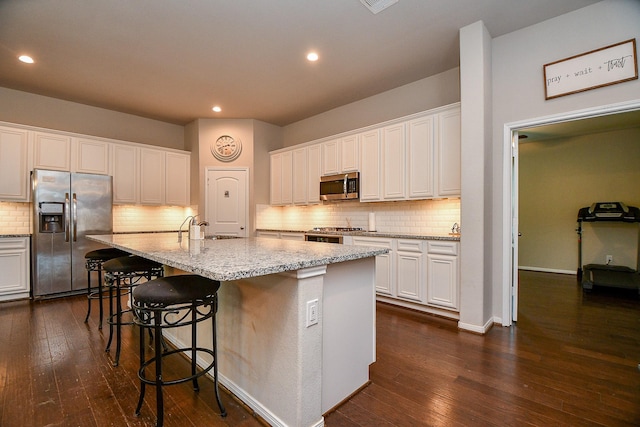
x: 51, y: 113
x: 518, y: 95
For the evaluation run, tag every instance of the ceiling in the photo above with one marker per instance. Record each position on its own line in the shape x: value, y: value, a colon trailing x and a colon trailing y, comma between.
x: 172, y: 60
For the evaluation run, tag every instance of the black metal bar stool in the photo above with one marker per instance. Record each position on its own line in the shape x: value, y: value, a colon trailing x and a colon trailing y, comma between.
x: 93, y: 262
x: 125, y: 272
x: 171, y: 302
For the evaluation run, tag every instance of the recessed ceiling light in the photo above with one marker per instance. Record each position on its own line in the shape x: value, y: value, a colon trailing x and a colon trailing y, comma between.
x: 26, y: 59
x: 312, y: 56
x: 217, y: 109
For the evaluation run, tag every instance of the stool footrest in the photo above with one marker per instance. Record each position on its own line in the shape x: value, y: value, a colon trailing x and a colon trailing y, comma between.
x: 202, y: 372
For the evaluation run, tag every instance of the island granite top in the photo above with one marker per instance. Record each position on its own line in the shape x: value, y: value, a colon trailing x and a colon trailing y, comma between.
x: 233, y: 259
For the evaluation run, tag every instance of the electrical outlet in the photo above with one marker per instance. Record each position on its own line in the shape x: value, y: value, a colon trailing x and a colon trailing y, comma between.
x: 312, y: 312
x: 609, y: 259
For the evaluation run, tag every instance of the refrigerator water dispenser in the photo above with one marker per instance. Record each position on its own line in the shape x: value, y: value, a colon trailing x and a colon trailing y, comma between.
x: 51, y: 217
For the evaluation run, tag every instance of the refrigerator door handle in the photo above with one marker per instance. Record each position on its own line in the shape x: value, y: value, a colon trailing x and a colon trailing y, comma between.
x: 66, y: 218
x: 75, y: 218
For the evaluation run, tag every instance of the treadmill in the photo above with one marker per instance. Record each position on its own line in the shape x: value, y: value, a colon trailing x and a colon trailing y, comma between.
x: 616, y: 276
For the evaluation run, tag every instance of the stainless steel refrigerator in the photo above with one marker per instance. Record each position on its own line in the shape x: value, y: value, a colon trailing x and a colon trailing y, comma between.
x: 66, y: 208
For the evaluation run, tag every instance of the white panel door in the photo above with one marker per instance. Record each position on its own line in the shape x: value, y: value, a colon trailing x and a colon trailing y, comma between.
x: 227, y: 202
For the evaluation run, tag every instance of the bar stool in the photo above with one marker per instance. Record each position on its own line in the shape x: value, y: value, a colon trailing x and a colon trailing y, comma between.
x: 125, y: 272
x: 93, y: 262
x: 158, y: 305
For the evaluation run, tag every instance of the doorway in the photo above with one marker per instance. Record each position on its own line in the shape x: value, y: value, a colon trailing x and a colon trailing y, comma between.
x: 227, y: 201
x: 603, y: 118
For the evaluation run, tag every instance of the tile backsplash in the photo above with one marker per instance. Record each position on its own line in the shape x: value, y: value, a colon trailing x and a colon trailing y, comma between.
x: 15, y: 218
x: 412, y: 217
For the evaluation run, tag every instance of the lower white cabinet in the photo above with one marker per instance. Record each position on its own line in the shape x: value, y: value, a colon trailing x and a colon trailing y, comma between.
x: 14, y: 264
x: 385, y: 267
x: 442, y: 274
x: 420, y: 274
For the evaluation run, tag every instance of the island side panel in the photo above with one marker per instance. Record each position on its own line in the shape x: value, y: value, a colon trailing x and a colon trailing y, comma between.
x: 349, y: 329
x: 268, y: 357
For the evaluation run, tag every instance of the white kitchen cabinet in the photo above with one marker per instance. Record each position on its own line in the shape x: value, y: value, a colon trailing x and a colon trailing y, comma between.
x: 314, y: 172
x: 152, y: 177
x: 393, y: 162
x: 125, y: 172
x: 281, y: 178
x: 410, y: 270
x: 284, y: 235
x: 370, y: 176
x: 385, y: 265
x: 177, y: 179
x: 51, y: 151
x: 330, y: 158
x: 420, y: 164
x: 90, y: 156
x: 14, y: 164
x: 449, y: 153
x: 299, y: 176
x: 349, y: 154
x: 14, y: 264
x: 442, y: 274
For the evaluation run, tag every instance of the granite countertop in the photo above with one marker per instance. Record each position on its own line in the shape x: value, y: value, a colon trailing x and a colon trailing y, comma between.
x: 232, y: 259
x: 15, y: 235
x: 389, y: 234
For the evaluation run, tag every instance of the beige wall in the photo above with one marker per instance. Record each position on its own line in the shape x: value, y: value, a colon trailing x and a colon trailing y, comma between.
x: 558, y: 177
x: 50, y: 113
x: 422, y: 95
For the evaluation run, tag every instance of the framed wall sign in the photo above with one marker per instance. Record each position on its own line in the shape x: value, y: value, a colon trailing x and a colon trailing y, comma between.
x: 601, y: 67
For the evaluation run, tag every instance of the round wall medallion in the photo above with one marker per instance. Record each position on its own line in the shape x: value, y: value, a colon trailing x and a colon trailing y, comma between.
x: 226, y: 148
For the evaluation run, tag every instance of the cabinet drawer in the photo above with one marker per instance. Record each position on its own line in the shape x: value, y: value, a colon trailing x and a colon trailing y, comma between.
x: 410, y: 245
x: 13, y: 243
x: 373, y: 241
x: 442, y: 247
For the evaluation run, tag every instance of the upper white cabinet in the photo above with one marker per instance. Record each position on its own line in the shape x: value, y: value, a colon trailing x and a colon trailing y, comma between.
x: 349, y: 159
x: 420, y: 176
x: 330, y: 158
x: 299, y: 176
x: 281, y: 178
x: 141, y: 174
x: 393, y: 162
x: 149, y: 176
x: 126, y: 174
x: 449, y: 153
x: 177, y: 179
x: 152, y: 176
x: 411, y: 159
x: 90, y: 156
x: 51, y: 151
x: 370, y: 171
x: 14, y: 164
x: 340, y: 155
x: 314, y: 172
x: 295, y: 176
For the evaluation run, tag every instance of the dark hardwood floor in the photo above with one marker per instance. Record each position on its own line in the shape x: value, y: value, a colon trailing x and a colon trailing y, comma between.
x: 572, y: 359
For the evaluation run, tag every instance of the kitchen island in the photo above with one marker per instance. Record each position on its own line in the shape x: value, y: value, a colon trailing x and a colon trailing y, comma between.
x: 288, y: 369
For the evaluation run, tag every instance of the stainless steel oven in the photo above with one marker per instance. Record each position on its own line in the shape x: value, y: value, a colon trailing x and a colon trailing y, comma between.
x: 325, y: 238
x: 328, y: 234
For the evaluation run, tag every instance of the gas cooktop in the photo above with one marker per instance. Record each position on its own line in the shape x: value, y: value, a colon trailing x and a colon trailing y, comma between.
x: 336, y: 229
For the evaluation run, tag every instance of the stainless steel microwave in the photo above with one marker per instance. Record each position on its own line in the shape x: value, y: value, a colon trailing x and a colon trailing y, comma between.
x: 345, y: 186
